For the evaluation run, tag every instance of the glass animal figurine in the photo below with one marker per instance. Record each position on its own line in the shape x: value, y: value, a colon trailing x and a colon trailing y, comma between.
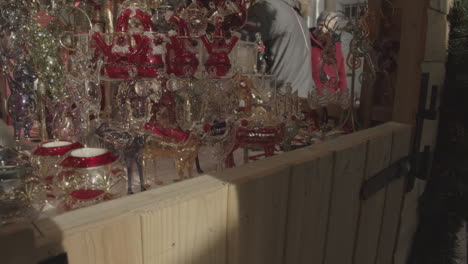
x: 22, y: 100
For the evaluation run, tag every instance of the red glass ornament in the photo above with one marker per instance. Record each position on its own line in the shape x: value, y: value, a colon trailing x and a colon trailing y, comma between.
x: 218, y: 61
x: 149, y: 55
x: 118, y: 54
x: 180, y: 57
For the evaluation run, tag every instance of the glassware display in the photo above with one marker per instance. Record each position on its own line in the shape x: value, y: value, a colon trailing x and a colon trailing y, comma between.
x: 45, y: 161
x: 88, y: 176
x: 172, y: 82
x: 22, y: 196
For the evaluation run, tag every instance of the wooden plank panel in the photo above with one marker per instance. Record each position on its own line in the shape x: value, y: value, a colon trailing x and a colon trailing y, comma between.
x: 257, y: 219
x: 94, y: 233
x: 393, y: 199
x: 370, y: 219
x: 186, y: 227
x: 309, y: 197
x: 116, y: 242
x: 344, y: 208
x: 412, y: 48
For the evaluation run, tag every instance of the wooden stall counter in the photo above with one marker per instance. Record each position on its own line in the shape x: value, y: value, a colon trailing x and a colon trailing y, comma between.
x: 302, y: 206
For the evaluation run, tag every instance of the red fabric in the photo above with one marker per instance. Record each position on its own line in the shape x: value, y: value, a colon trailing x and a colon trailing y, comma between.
x: 316, y: 59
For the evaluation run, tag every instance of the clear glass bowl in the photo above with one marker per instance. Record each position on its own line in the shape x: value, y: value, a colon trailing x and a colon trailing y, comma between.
x: 22, y: 196
x: 89, y: 176
x: 45, y: 161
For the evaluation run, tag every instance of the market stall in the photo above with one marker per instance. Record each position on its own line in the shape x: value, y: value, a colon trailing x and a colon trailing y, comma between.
x: 126, y: 124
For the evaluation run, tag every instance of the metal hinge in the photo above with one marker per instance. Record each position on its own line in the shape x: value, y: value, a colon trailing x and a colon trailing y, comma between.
x: 382, y: 179
x: 422, y: 161
x: 417, y: 164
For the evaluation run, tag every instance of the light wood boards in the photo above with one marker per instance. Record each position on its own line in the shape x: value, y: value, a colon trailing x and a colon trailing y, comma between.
x: 394, y: 197
x: 371, y: 210
x: 349, y: 169
x: 114, y: 232
x: 298, y: 207
x: 411, y: 54
x: 257, y: 218
x: 308, y: 204
x: 117, y: 242
x: 187, y: 228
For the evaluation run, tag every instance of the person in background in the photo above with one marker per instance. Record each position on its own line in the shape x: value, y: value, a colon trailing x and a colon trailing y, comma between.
x: 328, y: 66
x: 285, y: 34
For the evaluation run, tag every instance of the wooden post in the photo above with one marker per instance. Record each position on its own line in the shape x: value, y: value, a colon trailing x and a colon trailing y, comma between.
x: 412, y: 47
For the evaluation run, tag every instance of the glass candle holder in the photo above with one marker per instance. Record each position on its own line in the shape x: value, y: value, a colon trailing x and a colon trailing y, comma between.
x: 88, y: 176
x: 45, y: 161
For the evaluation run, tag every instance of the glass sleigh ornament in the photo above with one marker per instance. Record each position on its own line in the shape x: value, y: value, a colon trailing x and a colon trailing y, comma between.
x: 22, y: 196
x: 45, y: 161
x: 258, y: 124
x: 88, y: 176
